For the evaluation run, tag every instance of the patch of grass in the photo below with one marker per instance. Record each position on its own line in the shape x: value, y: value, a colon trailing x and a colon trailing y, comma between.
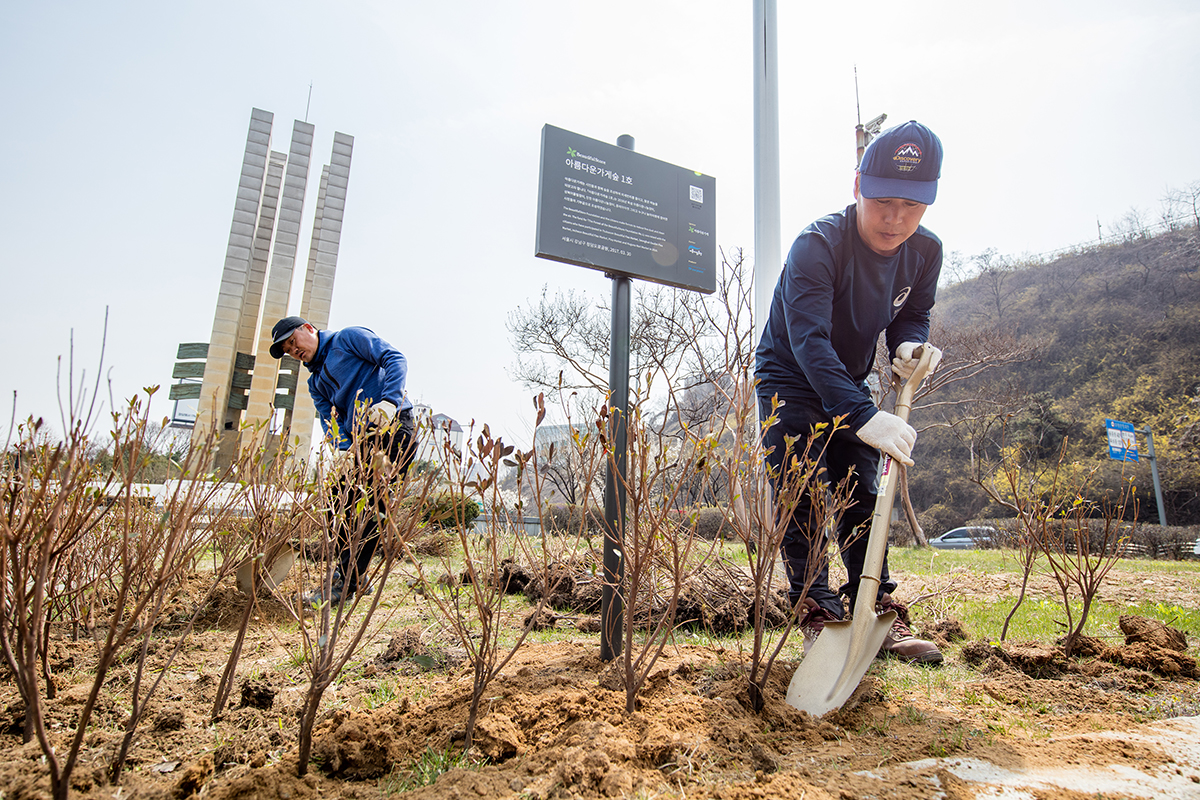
x: 733, y: 550
x: 706, y: 638
x: 927, y: 561
x: 562, y: 629
x: 296, y: 657
x: 419, y: 689
x: 1039, y: 618
x: 1043, y: 620
x: 426, y: 769
x: 1033, y: 728
x: 1186, y: 567
x: 877, y: 726
x: 939, y: 687
x: 385, y: 691
x: 949, y: 741
x: 288, y: 628
x: 1032, y: 706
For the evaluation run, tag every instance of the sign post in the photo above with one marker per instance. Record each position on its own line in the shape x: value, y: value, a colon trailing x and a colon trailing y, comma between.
x: 1122, y: 446
x: 1162, y: 511
x: 631, y: 216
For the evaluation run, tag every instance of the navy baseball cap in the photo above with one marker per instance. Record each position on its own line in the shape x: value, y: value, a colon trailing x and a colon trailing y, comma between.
x: 282, y: 331
x: 904, y: 161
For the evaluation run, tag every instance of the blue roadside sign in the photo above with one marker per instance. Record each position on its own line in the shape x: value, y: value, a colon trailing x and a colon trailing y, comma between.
x: 1122, y: 440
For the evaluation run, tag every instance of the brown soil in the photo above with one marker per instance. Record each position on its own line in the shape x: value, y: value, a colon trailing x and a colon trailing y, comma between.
x: 554, y: 725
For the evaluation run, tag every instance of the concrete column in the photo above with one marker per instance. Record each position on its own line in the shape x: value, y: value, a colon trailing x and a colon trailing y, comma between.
x: 213, y: 407
x: 264, y: 233
x: 260, y: 406
x: 322, y: 269
x: 306, y: 298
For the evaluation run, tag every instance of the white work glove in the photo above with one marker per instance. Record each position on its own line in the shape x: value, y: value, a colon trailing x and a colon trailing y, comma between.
x: 904, y: 363
x: 381, y: 413
x: 892, y: 435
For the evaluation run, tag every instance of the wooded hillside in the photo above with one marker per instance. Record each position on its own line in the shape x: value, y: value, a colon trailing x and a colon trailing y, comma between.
x: 1112, y: 331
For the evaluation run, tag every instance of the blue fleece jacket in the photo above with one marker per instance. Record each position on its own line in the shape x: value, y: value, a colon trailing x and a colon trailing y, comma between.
x: 354, y: 364
x: 832, y: 301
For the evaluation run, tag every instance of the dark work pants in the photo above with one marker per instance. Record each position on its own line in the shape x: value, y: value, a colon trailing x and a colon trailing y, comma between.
x: 399, y: 446
x: 844, y: 453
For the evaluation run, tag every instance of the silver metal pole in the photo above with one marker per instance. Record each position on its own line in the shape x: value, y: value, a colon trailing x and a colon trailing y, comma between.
x: 768, y: 262
x: 1162, y: 511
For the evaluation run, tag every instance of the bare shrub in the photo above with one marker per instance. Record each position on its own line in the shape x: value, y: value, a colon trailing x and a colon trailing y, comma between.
x: 391, y: 506
x: 1055, y: 523
x: 78, y: 542
x: 277, y: 504
x: 473, y: 609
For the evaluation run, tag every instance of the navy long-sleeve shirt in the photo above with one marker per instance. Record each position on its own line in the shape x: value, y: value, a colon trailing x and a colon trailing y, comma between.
x: 832, y: 301
x: 354, y: 364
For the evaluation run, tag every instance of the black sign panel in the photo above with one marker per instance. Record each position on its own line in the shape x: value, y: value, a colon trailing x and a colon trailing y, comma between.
x: 612, y: 209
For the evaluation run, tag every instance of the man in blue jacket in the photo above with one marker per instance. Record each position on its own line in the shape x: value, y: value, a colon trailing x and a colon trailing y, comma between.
x: 358, y: 379
x: 867, y: 269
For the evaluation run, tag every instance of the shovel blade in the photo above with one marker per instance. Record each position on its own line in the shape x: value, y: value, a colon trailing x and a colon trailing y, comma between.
x: 833, y: 668
x: 272, y: 576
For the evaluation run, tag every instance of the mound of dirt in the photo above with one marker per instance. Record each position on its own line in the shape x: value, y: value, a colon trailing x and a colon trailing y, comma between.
x: 258, y: 693
x: 1152, y: 632
x: 946, y: 632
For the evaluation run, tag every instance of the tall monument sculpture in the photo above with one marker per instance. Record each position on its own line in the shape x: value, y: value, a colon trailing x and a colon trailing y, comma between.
x: 241, y: 387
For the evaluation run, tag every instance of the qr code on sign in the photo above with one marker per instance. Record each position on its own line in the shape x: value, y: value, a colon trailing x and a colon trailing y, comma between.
x: 695, y: 194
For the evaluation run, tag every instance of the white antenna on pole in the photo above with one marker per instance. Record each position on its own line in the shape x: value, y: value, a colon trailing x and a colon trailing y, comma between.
x: 863, y: 134
x: 309, y: 103
x: 857, y: 107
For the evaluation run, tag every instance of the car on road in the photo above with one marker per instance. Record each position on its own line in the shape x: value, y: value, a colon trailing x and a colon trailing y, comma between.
x: 965, y: 538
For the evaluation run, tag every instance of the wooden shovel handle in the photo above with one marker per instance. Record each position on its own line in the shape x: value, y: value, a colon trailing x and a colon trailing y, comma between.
x: 927, y: 361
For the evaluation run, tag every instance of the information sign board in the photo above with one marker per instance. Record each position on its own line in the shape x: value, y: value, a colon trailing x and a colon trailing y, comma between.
x: 609, y: 208
x: 1122, y: 440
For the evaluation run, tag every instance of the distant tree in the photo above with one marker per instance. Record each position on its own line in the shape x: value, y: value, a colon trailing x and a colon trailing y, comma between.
x: 1185, y: 201
x: 562, y: 342
x: 686, y: 351
x: 1132, y: 225
x: 993, y: 276
x: 956, y: 268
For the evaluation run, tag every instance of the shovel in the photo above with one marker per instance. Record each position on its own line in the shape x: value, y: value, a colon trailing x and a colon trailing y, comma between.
x: 832, y: 669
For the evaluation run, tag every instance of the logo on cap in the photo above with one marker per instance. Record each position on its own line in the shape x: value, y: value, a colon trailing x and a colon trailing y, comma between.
x: 907, y: 157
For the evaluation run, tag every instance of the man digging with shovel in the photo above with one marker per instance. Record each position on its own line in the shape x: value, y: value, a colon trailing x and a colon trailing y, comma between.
x: 848, y: 277
x: 354, y: 373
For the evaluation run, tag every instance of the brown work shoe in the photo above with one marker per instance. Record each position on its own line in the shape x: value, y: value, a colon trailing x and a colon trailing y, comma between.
x: 812, y: 622
x: 900, y: 641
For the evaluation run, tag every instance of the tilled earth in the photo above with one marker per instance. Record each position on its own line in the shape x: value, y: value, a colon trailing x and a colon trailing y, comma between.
x: 554, y: 725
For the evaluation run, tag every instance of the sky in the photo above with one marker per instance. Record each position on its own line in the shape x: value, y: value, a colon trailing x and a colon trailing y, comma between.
x: 125, y: 124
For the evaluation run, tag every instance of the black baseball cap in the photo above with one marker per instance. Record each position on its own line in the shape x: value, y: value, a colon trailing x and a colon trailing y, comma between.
x: 904, y: 161
x: 282, y: 330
